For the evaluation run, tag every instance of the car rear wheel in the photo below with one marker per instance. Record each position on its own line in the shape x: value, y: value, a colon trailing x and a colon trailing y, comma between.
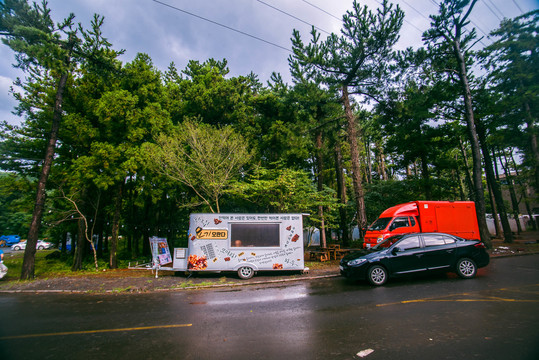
x: 246, y: 272
x: 466, y: 268
x: 40, y: 248
x: 377, y: 275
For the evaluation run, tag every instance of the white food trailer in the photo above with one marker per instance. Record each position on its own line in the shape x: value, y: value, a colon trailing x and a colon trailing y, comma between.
x: 245, y: 243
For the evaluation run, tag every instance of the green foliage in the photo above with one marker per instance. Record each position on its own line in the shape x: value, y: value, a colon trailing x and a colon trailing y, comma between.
x: 16, y: 202
x: 357, y: 58
x: 203, y: 157
x: 216, y: 100
x: 283, y: 190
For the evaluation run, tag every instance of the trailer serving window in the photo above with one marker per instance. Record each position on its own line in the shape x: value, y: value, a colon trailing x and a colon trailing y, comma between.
x: 254, y: 235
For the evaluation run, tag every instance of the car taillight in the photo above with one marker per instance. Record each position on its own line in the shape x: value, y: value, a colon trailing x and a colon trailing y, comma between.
x: 480, y: 245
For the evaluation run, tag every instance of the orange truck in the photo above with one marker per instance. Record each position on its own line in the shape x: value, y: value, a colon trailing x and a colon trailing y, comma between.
x: 451, y: 217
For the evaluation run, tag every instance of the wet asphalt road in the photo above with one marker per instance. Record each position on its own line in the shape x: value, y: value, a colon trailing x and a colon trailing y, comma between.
x: 494, y: 316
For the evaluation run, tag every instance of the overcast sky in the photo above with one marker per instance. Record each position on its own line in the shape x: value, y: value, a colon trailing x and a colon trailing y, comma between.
x: 168, y: 34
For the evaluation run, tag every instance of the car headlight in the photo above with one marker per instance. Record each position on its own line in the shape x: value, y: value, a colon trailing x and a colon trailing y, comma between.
x: 356, y: 262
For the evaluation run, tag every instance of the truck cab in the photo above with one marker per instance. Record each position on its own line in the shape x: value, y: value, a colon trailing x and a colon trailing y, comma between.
x: 385, y: 227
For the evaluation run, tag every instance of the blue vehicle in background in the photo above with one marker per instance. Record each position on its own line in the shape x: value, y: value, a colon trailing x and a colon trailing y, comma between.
x: 8, y: 240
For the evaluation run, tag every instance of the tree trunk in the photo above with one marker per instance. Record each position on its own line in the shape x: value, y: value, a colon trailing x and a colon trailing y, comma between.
x: 113, y: 263
x: 146, y: 251
x: 499, y: 231
x: 459, y: 180
x: 425, y: 175
x: 369, y: 161
x: 341, y: 193
x: 474, y: 141
x: 106, y: 235
x: 99, y: 231
x: 524, y: 194
x: 468, y: 176
x: 79, y: 248
x: 491, y: 180
x: 512, y: 193
x: 382, y: 162
x: 495, y: 217
x: 533, y: 144
x: 320, y: 166
x: 28, y: 264
x: 408, y: 171
x: 361, y: 216
x: 63, y: 243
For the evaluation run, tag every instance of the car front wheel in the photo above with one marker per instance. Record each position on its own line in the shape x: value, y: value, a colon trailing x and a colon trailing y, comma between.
x: 245, y: 272
x: 466, y: 268
x: 16, y: 248
x: 377, y: 275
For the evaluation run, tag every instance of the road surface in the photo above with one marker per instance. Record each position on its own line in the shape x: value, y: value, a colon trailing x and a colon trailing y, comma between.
x: 493, y: 316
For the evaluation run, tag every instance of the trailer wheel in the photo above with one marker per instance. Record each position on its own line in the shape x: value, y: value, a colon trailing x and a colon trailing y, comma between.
x: 246, y: 272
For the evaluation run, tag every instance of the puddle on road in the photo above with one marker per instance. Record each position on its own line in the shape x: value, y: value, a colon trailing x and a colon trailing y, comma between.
x: 249, y: 297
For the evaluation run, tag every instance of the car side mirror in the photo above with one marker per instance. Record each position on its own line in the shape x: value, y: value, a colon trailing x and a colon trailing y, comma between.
x: 395, y: 250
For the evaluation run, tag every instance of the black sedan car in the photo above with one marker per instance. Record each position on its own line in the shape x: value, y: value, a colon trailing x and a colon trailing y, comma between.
x: 414, y: 253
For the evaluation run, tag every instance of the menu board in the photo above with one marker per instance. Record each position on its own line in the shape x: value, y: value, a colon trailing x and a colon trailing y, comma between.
x: 160, y: 251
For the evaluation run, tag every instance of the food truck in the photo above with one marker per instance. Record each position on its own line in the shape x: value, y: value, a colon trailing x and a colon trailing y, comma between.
x: 453, y: 217
x: 242, y: 243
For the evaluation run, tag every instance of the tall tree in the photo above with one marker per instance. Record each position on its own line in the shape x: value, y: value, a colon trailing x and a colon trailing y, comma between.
x: 204, y: 158
x: 355, y: 63
x: 512, y: 62
x: 452, y: 44
x: 408, y: 131
x: 97, y: 74
x: 46, y: 51
x: 121, y: 119
x: 487, y: 124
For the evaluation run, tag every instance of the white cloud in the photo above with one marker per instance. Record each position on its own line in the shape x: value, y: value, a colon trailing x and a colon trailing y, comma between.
x: 7, y: 102
x: 5, y: 83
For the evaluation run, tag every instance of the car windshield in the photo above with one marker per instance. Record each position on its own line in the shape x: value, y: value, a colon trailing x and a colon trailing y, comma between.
x: 388, y: 242
x: 379, y: 224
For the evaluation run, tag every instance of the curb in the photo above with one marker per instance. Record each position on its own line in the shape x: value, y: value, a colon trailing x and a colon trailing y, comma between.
x: 171, y: 289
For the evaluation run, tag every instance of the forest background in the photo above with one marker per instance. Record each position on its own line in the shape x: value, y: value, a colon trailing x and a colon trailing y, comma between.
x: 119, y: 152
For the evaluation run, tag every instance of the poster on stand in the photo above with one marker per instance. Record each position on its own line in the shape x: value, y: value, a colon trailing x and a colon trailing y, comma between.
x: 160, y: 251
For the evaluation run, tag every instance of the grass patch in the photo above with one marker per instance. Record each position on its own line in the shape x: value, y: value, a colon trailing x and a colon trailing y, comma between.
x: 190, y: 284
x: 319, y: 265
x: 46, y: 268
x: 122, y: 290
